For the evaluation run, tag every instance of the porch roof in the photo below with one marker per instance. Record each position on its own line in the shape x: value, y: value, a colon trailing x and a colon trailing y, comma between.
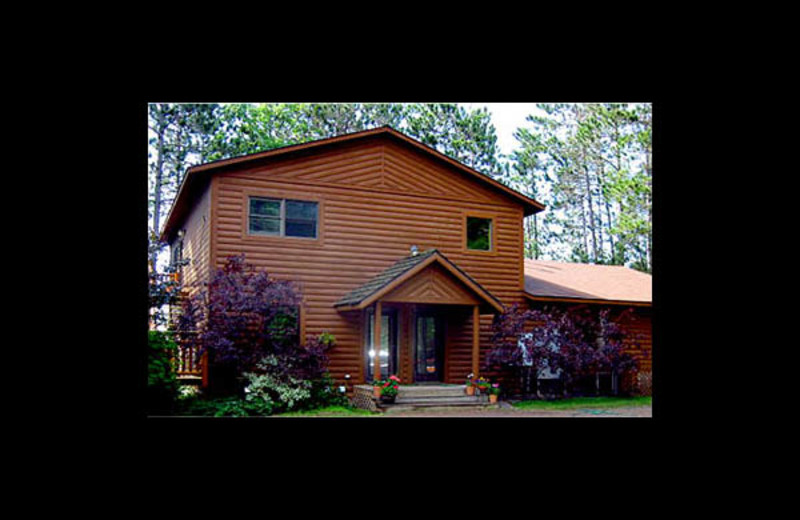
x: 404, y: 270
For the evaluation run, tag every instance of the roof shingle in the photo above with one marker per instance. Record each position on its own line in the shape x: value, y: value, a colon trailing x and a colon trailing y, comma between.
x: 587, y: 281
x: 383, y: 279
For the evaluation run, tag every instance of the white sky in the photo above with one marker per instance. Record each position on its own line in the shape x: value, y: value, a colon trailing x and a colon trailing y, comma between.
x: 507, y: 117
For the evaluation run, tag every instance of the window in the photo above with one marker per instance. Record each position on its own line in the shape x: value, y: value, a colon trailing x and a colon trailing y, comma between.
x: 479, y: 233
x: 177, y: 252
x: 282, y: 217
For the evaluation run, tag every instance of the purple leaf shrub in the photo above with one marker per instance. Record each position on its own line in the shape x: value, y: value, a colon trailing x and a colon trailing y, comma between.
x: 243, y: 316
x: 575, y: 343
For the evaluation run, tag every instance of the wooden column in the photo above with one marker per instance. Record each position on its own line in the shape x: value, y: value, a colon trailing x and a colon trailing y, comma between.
x: 476, y: 339
x: 376, y: 341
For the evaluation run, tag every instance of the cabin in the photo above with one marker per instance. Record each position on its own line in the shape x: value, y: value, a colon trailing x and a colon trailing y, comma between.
x: 384, y: 237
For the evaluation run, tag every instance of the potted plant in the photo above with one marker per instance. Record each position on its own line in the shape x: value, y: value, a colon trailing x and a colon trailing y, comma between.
x: 390, y: 389
x: 468, y: 388
x: 482, y: 384
x: 377, y: 385
x: 494, y: 392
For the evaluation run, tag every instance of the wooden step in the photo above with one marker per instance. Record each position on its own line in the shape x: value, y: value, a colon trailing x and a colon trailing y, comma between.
x: 462, y: 400
x: 433, y: 391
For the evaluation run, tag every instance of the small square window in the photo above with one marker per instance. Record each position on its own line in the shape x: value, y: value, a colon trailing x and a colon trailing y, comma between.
x: 479, y: 233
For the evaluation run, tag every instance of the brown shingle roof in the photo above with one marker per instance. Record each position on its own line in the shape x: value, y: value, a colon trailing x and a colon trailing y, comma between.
x: 545, y: 278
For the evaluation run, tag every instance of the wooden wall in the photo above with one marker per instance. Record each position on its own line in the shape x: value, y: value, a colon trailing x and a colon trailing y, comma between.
x: 197, y: 242
x: 376, y: 197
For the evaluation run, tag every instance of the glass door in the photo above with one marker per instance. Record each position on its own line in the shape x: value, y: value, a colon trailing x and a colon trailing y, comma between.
x: 388, y: 350
x: 428, y: 348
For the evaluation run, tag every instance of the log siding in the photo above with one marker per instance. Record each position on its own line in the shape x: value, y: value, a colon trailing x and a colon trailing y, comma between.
x: 376, y: 199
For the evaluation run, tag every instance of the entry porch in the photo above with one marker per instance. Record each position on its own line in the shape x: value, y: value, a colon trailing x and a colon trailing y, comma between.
x: 420, y: 320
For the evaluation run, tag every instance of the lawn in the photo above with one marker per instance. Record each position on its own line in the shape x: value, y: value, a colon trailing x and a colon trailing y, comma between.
x: 330, y: 411
x: 584, y: 402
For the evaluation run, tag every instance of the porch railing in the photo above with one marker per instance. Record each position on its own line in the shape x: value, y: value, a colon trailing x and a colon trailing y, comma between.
x: 188, y: 362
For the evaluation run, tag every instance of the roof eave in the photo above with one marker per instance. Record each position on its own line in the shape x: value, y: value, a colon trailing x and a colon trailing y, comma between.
x: 601, y: 301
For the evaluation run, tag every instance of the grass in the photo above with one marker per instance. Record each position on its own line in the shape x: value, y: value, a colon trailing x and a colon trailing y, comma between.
x: 329, y: 411
x: 584, y: 402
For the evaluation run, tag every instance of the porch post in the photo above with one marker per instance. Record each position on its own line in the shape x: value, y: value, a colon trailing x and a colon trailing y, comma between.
x: 376, y: 341
x: 476, y: 339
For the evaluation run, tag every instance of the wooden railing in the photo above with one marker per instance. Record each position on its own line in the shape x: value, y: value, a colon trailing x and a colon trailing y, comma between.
x: 188, y: 363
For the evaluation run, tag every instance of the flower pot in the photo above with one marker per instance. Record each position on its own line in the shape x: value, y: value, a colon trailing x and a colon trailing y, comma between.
x: 376, y: 391
x: 492, y: 398
x: 470, y: 390
x: 388, y: 398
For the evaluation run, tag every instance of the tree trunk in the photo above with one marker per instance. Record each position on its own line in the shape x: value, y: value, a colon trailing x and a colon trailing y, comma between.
x: 591, y: 212
x: 158, y: 180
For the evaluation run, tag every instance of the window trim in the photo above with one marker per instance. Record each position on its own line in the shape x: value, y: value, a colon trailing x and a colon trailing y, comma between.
x: 492, y: 232
x: 281, y: 195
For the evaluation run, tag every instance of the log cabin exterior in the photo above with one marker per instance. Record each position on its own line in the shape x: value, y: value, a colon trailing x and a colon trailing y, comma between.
x: 340, y: 218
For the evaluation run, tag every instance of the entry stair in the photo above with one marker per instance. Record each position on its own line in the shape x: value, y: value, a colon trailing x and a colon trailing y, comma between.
x: 421, y: 396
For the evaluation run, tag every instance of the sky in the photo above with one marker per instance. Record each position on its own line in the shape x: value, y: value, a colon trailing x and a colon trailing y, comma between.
x: 507, y: 117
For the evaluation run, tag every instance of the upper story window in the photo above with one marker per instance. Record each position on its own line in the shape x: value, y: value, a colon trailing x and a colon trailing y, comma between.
x: 282, y: 217
x: 479, y: 233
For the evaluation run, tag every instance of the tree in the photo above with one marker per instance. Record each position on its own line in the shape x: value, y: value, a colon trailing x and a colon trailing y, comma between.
x: 593, y: 163
x: 466, y: 136
x: 180, y: 135
x: 243, y: 317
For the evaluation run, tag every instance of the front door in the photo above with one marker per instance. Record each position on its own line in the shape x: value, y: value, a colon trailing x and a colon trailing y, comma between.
x: 428, y: 348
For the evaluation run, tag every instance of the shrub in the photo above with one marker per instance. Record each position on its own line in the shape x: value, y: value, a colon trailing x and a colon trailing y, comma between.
x: 574, y: 344
x: 224, y: 407
x: 244, y: 317
x: 162, y: 383
x: 275, y: 387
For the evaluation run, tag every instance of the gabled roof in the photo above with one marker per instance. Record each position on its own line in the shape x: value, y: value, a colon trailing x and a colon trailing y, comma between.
x: 197, y: 175
x: 405, y: 269
x: 552, y: 281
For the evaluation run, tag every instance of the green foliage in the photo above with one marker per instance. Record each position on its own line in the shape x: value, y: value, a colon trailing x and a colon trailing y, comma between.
x: 274, y: 388
x: 590, y: 165
x: 224, y: 407
x: 162, y: 384
x: 282, y: 393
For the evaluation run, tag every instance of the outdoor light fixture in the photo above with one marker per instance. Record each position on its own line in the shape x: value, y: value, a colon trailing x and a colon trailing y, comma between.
x: 414, y: 250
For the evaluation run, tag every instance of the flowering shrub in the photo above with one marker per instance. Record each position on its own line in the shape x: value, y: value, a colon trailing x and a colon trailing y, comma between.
x: 391, y: 386
x: 278, y: 390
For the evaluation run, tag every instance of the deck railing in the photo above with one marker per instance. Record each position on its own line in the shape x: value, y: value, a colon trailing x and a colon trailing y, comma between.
x: 188, y: 362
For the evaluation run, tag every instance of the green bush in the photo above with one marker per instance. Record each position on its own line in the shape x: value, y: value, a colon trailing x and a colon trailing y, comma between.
x: 224, y: 407
x: 162, y: 383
